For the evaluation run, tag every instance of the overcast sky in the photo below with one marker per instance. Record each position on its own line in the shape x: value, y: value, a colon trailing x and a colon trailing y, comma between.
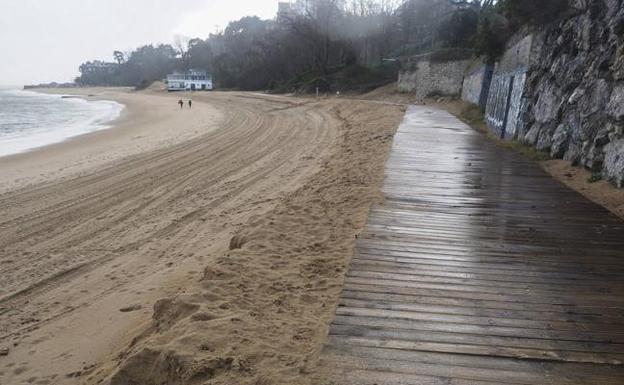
x: 46, y: 40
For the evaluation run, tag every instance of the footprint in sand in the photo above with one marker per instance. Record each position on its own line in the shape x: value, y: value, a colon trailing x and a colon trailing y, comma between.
x: 20, y: 370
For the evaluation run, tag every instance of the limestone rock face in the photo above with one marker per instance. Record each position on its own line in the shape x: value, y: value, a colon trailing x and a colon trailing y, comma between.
x: 614, y: 162
x: 560, y: 141
x: 548, y: 104
x: 575, y: 92
x: 533, y: 134
x: 615, y: 109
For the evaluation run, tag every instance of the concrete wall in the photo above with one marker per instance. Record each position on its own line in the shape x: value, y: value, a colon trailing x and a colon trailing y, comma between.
x: 506, y: 94
x: 517, y: 55
x: 496, y: 109
x: 476, y: 84
x: 504, y: 103
x: 426, y: 78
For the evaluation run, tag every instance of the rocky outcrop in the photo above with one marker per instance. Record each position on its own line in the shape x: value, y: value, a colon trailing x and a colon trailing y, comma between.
x: 574, y: 93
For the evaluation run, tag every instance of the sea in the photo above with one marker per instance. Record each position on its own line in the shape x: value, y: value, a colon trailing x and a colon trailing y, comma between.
x: 29, y: 120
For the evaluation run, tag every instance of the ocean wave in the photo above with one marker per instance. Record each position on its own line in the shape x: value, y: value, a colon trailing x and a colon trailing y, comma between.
x: 30, y: 120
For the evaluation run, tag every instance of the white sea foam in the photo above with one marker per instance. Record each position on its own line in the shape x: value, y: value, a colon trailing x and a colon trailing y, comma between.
x: 29, y: 119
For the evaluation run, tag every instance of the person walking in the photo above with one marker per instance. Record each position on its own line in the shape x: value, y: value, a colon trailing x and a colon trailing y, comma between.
x: 190, y: 103
x: 181, y: 103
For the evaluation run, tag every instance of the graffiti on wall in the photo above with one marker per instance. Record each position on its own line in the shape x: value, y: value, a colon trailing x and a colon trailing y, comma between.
x: 504, y: 101
x: 499, y: 90
x: 476, y: 86
x: 515, y: 102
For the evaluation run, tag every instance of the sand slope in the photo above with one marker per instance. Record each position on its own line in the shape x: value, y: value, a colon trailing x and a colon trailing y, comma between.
x: 85, y: 258
x: 260, y: 312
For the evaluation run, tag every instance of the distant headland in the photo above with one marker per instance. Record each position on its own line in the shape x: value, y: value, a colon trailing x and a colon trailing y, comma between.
x: 51, y: 85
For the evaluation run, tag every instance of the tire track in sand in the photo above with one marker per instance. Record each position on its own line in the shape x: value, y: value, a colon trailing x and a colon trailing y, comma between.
x: 52, y: 234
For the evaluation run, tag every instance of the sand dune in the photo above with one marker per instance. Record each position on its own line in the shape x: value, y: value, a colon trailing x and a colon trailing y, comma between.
x: 94, y: 238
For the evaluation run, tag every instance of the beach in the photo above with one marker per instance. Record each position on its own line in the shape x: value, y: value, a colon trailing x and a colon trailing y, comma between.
x: 147, y: 123
x: 216, y: 235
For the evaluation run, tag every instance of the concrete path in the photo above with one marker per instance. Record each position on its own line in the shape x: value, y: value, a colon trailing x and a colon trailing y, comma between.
x: 478, y: 269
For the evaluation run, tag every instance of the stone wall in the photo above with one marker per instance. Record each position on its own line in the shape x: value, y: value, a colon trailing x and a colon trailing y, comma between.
x: 426, y: 78
x: 574, y: 94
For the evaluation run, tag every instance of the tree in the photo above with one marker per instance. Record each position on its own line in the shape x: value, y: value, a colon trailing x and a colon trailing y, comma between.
x: 119, y: 57
x: 320, y: 38
x: 199, y: 54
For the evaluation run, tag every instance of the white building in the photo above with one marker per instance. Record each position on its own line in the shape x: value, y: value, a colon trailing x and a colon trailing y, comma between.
x: 97, y: 66
x: 191, y: 80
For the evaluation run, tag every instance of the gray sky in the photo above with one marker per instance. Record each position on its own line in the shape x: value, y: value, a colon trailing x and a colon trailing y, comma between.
x: 46, y: 40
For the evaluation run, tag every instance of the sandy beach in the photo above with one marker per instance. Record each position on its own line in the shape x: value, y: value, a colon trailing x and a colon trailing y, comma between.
x: 183, y: 246
x: 148, y: 122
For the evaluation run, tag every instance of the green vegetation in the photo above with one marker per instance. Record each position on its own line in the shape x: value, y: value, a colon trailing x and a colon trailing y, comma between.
x: 331, y: 44
x: 594, y: 177
x: 472, y: 115
x: 528, y: 151
x: 347, y: 78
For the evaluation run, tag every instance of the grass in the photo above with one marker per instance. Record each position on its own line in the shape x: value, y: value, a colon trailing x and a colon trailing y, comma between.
x: 471, y: 114
x: 594, y: 177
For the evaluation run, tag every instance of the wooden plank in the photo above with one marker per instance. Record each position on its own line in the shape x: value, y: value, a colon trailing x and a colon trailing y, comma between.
x: 530, y: 296
x: 476, y: 281
x: 387, y: 333
x: 528, y: 324
x: 476, y: 368
x: 381, y: 377
x: 574, y: 277
x: 478, y: 268
x: 432, y: 306
x: 493, y: 266
x: 481, y: 350
x: 529, y: 310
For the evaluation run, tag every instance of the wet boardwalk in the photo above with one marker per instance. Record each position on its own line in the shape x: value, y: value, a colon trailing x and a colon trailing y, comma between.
x: 478, y: 269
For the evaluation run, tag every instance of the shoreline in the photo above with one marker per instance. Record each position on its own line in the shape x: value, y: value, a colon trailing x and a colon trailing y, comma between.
x: 143, y: 125
x: 87, y: 127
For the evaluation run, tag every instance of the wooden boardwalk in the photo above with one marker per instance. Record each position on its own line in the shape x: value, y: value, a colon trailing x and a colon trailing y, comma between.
x: 478, y: 269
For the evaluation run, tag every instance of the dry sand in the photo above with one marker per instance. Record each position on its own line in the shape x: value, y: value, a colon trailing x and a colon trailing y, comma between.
x: 96, y: 231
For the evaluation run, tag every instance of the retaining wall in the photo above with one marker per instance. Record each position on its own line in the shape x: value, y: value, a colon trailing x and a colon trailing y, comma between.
x: 506, y: 91
x: 426, y: 78
x: 476, y: 85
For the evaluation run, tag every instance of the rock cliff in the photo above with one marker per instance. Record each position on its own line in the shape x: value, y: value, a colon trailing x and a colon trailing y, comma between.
x: 573, y: 104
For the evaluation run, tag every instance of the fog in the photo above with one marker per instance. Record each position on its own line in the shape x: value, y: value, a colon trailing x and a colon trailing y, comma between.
x: 43, y: 41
